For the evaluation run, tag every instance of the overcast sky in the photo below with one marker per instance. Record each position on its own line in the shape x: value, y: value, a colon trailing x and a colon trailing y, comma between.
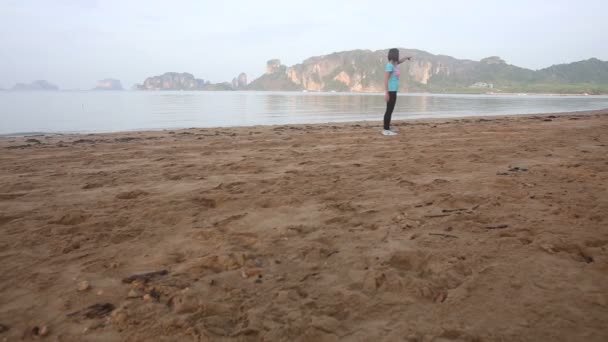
x: 74, y: 43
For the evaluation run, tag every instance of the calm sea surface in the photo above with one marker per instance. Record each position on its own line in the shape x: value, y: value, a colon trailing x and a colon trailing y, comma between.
x: 89, y: 111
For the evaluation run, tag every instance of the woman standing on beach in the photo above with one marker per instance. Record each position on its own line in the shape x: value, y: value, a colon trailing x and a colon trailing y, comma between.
x: 391, y: 85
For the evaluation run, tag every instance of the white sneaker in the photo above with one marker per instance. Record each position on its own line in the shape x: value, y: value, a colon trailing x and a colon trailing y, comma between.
x: 394, y: 130
x: 387, y: 132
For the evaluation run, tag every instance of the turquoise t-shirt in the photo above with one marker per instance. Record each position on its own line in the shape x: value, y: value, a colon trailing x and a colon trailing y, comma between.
x: 393, y: 80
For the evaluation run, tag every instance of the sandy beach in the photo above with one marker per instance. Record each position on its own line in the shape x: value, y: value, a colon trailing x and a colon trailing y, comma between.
x: 474, y: 229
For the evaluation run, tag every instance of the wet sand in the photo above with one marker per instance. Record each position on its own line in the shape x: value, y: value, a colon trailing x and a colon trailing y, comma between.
x: 477, y: 229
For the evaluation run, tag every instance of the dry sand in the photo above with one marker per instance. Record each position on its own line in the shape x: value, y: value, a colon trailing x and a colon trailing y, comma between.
x: 454, y: 230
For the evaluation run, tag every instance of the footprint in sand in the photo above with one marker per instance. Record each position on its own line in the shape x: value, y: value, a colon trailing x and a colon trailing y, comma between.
x: 596, y: 243
x: 205, y: 202
x: 346, y: 206
x: 574, y: 251
x: 6, y: 219
x: 131, y: 194
x: 234, y: 187
x: 90, y: 186
x: 71, y: 218
x: 337, y: 220
x: 125, y: 235
x: 425, y: 278
x: 11, y: 196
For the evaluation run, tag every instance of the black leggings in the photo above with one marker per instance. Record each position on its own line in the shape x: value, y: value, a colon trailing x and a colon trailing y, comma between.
x: 390, y: 105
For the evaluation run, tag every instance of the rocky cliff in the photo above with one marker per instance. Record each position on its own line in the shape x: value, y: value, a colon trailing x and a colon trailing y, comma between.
x: 275, y: 78
x: 172, y: 81
x: 363, y: 70
x: 240, y: 82
x: 40, y: 85
x: 186, y: 81
x: 108, y: 84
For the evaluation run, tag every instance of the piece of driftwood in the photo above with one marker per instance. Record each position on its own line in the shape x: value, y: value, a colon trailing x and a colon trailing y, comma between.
x: 498, y: 226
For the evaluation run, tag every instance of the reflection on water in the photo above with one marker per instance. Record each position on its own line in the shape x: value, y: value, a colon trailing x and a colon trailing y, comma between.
x: 117, y: 111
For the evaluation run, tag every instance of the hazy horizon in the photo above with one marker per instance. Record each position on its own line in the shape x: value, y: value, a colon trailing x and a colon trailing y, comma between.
x: 74, y: 43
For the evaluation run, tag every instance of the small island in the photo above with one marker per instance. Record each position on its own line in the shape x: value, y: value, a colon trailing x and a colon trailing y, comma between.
x: 108, y: 84
x: 187, y: 81
x: 40, y: 85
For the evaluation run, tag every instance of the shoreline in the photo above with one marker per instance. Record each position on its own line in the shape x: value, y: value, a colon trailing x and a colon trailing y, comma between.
x: 310, y: 232
x: 299, y: 91
x: 367, y: 122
